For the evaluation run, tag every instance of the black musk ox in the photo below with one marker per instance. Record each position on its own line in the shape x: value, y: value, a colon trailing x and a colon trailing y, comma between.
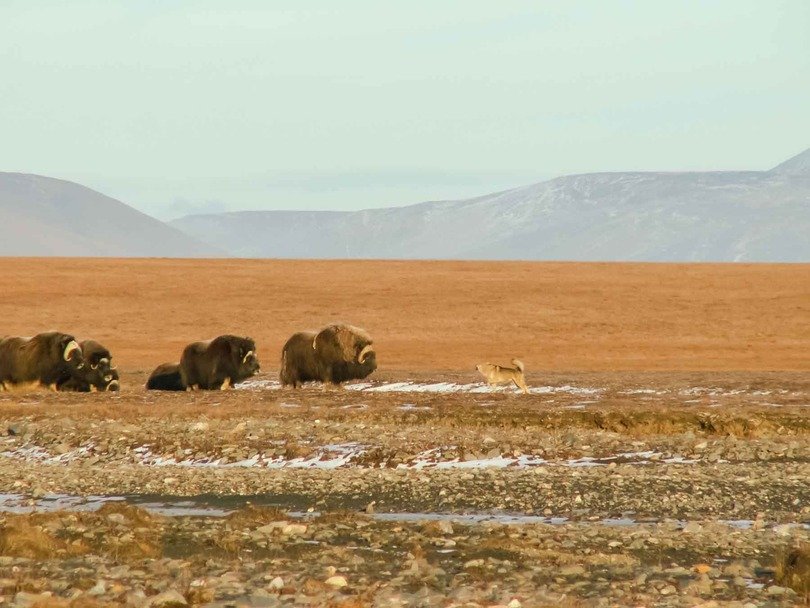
x: 98, y: 373
x: 332, y: 355
x: 166, y: 377
x: 48, y: 359
x: 219, y: 363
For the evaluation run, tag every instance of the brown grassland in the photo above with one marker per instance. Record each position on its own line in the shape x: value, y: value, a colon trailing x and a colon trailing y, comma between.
x: 685, y: 386
x: 429, y: 315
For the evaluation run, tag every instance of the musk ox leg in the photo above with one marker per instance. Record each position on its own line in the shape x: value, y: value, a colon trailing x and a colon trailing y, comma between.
x: 226, y: 385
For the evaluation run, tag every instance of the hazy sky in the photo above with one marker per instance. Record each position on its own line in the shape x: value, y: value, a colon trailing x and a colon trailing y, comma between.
x: 179, y: 106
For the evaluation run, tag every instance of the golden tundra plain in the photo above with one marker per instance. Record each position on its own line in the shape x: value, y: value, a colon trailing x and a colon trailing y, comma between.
x: 661, y: 457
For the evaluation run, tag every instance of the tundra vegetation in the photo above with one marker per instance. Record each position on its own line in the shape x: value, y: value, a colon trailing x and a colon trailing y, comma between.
x: 675, y: 489
x: 665, y: 463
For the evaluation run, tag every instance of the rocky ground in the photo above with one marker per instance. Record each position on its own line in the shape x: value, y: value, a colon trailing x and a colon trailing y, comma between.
x: 597, y: 489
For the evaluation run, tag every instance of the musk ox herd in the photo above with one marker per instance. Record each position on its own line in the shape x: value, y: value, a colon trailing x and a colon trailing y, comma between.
x: 55, y: 360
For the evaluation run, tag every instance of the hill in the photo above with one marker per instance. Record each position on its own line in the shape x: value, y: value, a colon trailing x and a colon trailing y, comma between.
x: 43, y: 216
x: 654, y: 216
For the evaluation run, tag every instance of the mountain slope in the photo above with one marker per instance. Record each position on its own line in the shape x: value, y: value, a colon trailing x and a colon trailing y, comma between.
x: 798, y: 166
x: 42, y: 216
x: 712, y: 216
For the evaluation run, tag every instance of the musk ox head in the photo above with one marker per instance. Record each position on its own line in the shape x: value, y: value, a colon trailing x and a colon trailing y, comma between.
x: 70, y: 352
x: 241, y: 354
x: 99, y: 370
x: 349, y: 347
x: 249, y: 360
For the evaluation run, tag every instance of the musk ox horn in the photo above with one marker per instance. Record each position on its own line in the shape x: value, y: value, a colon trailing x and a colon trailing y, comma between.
x: 71, y: 346
x: 247, y: 356
x: 364, y: 353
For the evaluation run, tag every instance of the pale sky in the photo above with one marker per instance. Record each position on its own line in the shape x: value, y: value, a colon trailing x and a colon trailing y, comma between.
x: 180, y: 106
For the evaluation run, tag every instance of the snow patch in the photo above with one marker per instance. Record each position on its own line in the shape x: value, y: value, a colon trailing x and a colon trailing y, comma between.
x: 329, y: 456
x: 432, y: 387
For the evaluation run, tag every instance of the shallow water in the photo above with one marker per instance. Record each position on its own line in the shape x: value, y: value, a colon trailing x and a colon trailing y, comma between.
x: 210, y: 505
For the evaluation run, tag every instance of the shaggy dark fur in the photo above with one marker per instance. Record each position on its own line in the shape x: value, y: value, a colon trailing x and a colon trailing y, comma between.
x: 166, y: 377
x: 225, y: 360
x: 40, y: 359
x: 331, y: 355
x: 98, y: 373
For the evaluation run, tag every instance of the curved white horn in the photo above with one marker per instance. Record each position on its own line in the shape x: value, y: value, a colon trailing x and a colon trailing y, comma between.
x: 71, y: 346
x: 245, y: 358
x: 364, y: 353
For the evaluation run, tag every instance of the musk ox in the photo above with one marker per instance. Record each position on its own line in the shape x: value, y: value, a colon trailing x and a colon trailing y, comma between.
x: 332, y: 355
x: 166, y: 377
x: 98, y: 374
x: 219, y: 363
x: 48, y: 359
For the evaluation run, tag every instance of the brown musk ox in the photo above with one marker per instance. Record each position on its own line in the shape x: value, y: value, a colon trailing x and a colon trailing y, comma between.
x: 219, y: 363
x: 47, y: 359
x: 98, y: 374
x: 333, y: 355
x: 166, y: 377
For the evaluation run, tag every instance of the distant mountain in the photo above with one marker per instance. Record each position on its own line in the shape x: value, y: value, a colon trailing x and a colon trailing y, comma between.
x: 689, y: 216
x: 42, y: 216
x: 798, y: 166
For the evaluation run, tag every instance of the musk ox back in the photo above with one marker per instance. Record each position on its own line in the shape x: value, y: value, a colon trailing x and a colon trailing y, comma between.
x: 333, y: 355
x: 166, y: 377
x: 219, y: 363
x: 98, y: 374
x: 47, y: 359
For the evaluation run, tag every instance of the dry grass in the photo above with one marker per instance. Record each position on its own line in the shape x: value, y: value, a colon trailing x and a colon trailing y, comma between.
x: 29, y: 536
x: 122, y: 532
x: 135, y: 516
x: 81, y: 602
x: 793, y: 570
x: 421, y: 314
x: 252, y: 516
x: 641, y: 423
x: 664, y: 415
x: 340, y: 516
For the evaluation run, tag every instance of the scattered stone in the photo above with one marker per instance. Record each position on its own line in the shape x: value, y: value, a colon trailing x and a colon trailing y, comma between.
x: 294, y: 529
x: 277, y: 583
x: 337, y: 581
x: 776, y: 590
x: 168, y: 599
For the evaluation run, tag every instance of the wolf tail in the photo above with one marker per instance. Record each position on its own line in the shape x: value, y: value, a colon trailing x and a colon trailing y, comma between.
x: 518, y: 364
